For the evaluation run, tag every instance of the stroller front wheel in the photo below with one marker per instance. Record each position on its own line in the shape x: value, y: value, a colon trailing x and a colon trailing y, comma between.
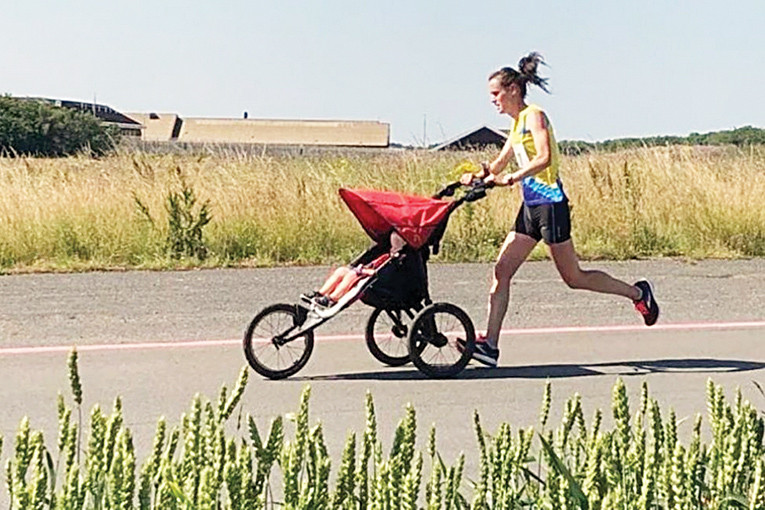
x: 441, y: 340
x: 265, y: 343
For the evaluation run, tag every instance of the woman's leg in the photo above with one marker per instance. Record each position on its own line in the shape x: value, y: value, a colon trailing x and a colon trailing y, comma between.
x: 567, y: 262
x: 514, y: 252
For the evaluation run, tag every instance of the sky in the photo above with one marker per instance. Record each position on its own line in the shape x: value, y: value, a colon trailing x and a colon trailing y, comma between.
x: 617, y: 68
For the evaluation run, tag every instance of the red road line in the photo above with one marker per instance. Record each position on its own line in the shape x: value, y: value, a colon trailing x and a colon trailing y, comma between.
x: 689, y: 326
x: 696, y: 326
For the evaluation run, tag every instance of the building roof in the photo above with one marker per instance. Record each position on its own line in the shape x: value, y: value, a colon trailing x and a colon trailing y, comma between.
x: 101, y: 111
x: 474, y: 139
x: 165, y: 127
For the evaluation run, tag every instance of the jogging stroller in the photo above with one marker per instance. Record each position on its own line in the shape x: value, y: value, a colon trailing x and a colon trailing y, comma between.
x: 405, y: 325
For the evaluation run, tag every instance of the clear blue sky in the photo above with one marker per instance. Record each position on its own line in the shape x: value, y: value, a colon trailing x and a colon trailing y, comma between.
x: 617, y: 68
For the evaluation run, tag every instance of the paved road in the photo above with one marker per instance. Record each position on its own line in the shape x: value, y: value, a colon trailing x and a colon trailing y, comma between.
x: 158, y: 338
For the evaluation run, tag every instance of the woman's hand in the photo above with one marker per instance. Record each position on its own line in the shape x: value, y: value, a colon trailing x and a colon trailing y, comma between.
x: 505, y: 180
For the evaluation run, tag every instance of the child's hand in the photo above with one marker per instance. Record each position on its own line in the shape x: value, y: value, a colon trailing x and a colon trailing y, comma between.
x: 465, y: 167
x: 466, y: 179
x: 481, y: 171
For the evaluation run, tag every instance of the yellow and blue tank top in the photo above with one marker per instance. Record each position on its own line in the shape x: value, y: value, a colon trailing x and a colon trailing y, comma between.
x: 544, y: 187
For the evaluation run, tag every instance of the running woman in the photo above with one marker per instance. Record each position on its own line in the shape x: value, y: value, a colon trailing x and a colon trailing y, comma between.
x: 544, y: 214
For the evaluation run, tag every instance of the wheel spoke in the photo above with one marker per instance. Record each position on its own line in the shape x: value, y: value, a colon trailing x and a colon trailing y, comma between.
x: 388, y: 342
x: 265, y: 355
x: 387, y: 338
x: 438, y: 327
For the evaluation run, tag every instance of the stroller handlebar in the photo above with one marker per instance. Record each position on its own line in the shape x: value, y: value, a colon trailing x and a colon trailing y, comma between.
x: 476, y: 190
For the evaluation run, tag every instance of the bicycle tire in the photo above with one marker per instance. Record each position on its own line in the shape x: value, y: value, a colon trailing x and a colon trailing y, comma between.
x: 392, y: 349
x: 264, y: 329
x: 432, y: 338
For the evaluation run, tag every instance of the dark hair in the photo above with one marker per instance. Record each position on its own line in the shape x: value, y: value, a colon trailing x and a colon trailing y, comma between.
x: 526, y: 73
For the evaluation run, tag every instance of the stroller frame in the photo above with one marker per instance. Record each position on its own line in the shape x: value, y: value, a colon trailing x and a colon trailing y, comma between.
x: 380, y: 214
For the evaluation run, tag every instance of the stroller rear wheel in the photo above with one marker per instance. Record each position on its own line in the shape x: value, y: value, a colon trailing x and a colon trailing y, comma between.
x: 265, y: 347
x: 386, y: 335
x: 433, y: 340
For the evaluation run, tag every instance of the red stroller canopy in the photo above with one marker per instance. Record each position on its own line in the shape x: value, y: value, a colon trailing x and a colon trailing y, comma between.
x: 414, y: 218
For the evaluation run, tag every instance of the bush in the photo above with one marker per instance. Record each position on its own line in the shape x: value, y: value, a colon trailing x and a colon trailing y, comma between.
x: 36, y: 128
x: 184, y: 221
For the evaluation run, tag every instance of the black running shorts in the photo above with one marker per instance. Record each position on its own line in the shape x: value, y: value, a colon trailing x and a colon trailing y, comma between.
x: 551, y: 222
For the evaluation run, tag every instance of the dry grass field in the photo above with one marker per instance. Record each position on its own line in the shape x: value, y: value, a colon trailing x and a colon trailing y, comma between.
x: 80, y: 213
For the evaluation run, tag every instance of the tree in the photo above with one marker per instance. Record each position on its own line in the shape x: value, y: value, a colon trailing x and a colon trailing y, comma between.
x: 37, y: 128
x: 743, y: 136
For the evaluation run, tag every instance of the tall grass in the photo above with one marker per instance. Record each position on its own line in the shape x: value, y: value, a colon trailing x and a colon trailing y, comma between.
x: 675, y: 201
x: 80, y: 213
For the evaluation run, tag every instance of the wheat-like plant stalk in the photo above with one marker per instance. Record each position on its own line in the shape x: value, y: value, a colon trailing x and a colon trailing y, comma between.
x: 641, y: 462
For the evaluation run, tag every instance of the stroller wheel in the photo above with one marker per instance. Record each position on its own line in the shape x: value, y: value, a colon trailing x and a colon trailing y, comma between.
x: 386, y: 336
x: 433, y: 340
x: 266, y: 351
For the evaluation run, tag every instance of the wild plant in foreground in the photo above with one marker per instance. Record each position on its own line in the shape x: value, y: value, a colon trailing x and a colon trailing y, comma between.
x: 641, y: 462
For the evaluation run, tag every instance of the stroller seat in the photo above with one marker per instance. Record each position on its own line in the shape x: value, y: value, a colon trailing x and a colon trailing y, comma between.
x: 363, y: 278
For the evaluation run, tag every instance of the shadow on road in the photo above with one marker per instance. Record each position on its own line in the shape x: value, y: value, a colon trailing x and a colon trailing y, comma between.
x: 556, y: 371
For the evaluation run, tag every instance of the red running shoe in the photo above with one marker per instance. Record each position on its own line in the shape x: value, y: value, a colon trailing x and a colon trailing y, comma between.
x: 646, y: 305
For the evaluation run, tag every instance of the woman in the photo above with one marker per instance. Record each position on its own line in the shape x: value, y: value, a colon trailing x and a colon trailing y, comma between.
x: 544, y: 214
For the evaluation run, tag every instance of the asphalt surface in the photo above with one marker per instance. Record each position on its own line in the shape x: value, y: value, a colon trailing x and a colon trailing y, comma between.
x: 157, y: 338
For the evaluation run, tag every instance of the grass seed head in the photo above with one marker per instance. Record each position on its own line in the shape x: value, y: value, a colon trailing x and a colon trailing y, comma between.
x: 74, y: 377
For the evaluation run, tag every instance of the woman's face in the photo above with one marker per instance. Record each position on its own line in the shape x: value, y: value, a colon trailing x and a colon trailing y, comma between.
x: 501, y: 97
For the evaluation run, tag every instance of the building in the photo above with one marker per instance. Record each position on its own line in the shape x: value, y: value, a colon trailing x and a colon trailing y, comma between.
x: 158, y: 127
x: 108, y: 116
x: 477, y: 139
x: 166, y: 127
x: 285, y: 132
x: 198, y: 130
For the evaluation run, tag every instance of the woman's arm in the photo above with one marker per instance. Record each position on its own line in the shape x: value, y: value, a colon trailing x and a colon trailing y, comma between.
x: 494, y: 167
x: 504, y: 157
x: 537, y: 124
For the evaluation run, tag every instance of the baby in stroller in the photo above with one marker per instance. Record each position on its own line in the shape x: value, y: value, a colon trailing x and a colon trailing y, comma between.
x: 344, y: 278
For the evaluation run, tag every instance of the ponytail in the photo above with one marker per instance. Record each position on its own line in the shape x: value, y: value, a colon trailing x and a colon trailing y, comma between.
x: 527, y: 68
x: 526, y: 73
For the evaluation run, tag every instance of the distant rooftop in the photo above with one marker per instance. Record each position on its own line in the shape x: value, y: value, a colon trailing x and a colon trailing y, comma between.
x: 100, y: 111
x: 478, y: 138
x: 171, y: 127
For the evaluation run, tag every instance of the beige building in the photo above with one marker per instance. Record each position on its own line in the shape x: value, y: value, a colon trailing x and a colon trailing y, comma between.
x: 157, y: 127
x: 166, y: 127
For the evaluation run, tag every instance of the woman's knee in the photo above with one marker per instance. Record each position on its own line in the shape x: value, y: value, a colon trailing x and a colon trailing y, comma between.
x: 349, y: 277
x: 500, y: 283
x: 504, y: 270
x: 574, y: 279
